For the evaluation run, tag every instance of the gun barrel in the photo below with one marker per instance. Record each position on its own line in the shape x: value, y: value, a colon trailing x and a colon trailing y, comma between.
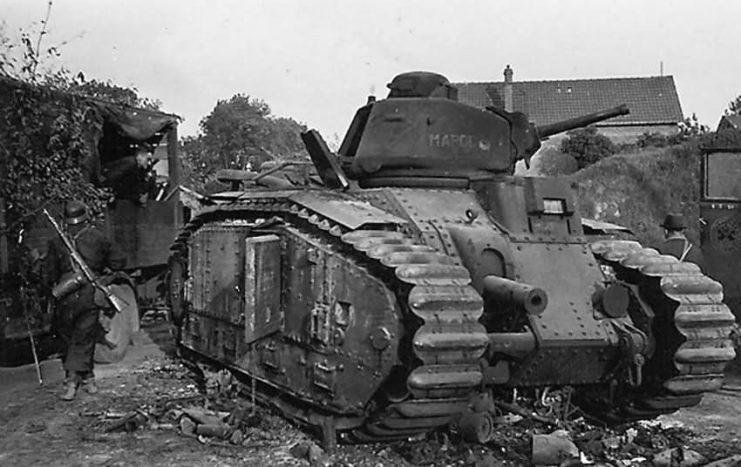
x: 498, y: 290
x: 71, y: 248
x: 545, y: 131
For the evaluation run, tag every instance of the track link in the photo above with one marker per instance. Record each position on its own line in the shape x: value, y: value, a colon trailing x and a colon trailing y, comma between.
x: 449, y: 343
x: 690, y: 327
x: 449, y: 340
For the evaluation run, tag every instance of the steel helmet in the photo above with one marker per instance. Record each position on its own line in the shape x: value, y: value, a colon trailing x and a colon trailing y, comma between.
x: 75, y: 212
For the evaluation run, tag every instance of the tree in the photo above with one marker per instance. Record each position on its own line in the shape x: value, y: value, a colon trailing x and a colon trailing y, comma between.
x: 734, y: 107
x: 239, y: 133
x: 587, y: 146
x: 46, y: 129
x: 109, y: 92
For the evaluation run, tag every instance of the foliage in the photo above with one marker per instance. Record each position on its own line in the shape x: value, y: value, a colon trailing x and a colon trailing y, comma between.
x: 734, y: 107
x: 44, y: 158
x: 587, y: 146
x: 727, y: 138
x: 239, y: 133
x: 690, y: 129
x: 550, y: 162
x: 109, y: 92
x: 638, y: 189
x: 42, y: 150
x: 46, y: 153
x: 652, y: 140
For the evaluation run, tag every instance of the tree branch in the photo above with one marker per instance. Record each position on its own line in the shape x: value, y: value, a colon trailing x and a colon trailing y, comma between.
x: 41, y: 35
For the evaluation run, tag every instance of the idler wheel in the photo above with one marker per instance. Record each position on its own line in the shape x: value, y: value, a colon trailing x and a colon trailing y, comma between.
x: 615, y: 300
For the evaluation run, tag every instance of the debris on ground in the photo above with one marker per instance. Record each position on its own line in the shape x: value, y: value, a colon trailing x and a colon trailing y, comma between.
x: 311, y: 452
x: 553, y: 448
x: 732, y: 461
x: 679, y: 457
x: 163, y: 412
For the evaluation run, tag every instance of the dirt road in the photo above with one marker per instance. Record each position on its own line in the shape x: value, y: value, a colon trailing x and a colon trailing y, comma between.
x: 39, y: 429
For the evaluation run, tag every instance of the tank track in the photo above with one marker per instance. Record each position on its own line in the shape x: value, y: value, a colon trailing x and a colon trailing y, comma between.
x: 691, y: 327
x: 449, y: 340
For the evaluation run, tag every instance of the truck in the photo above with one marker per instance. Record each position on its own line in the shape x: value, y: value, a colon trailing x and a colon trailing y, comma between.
x: 720, y: 215
x: 142, y: 230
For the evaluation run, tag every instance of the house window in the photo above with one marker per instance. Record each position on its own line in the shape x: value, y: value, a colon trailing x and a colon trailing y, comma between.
x: 722, y: 176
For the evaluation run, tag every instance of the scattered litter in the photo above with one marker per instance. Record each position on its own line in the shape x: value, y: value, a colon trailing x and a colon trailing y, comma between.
x: 733, y: 461
x: 553, y: 448
x: 679, y: 457
x: 309, y: 451
x: 35, y: 427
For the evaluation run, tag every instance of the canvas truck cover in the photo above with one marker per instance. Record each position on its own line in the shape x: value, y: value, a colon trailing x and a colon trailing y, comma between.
x: 129, y: 125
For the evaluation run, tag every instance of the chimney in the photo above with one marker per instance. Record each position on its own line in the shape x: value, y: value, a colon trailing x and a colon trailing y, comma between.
x: 508, y: 104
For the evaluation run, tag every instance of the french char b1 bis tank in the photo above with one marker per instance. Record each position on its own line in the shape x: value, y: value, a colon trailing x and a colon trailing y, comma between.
x: 420, y: 282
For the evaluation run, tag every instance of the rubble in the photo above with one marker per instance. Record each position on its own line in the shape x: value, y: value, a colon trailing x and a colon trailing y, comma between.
x: 311, y: 452
x: 732, y: 461
x: 679, y: 457
x: 230, y: 430
x: 221, y: 418
x: 553, y: 449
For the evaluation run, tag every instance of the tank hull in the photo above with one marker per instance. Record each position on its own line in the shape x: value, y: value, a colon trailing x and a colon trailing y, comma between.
x: 369, y: 312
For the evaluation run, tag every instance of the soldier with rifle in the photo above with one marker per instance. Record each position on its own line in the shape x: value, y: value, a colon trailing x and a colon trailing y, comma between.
x: 75, y: 263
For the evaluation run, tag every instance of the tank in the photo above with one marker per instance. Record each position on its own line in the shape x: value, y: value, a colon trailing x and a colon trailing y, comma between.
x: 416, y: 282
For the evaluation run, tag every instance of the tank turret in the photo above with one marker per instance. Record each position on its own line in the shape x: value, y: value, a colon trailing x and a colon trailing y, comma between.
x: 421, y: 130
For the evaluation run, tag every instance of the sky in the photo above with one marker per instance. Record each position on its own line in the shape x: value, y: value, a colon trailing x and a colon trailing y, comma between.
x: 316, y: 61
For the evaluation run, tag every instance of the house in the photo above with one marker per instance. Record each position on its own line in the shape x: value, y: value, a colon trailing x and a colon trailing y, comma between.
x: 730, y: 122
x: 653, y: 102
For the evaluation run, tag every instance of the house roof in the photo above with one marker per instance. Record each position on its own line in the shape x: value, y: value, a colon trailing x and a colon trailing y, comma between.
x: 730, y: 121
x: 651, y: 100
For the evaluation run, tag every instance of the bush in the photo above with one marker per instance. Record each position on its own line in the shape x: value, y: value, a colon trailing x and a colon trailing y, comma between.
x: 728, y: 138
x: 655, y: 140
x: 587, y: 146
x: 550, y: 162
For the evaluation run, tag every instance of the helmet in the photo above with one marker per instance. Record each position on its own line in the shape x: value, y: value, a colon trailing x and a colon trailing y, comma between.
x: 75, y: 212
x: 674, y: 222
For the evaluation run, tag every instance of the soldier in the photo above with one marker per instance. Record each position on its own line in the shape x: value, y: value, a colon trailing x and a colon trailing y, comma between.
x: 131, y: 177
x: 676, y: 243
x: 77, y: 316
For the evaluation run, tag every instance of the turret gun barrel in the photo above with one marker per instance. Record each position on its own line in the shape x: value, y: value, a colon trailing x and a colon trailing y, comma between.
x: 545, y: 131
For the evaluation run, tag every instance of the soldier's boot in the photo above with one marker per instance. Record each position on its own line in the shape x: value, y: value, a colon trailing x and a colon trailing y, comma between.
x: 70, y: 389
x: 89, y: 386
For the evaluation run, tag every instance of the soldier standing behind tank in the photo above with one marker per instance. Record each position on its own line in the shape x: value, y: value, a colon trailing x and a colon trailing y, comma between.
x: 677, y: 244
x: 77, y: 310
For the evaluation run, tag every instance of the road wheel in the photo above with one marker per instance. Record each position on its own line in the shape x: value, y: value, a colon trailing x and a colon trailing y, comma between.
x: 119, y: 334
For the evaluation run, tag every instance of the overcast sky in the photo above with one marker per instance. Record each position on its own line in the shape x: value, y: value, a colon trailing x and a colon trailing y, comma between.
x: 317, y: 61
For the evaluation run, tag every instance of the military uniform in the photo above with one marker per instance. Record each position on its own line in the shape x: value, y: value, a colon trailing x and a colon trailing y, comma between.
x: 129, y: 179
x: 77, y: 311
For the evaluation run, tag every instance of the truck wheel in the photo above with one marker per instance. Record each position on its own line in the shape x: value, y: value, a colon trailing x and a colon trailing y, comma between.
x: 120, y: 333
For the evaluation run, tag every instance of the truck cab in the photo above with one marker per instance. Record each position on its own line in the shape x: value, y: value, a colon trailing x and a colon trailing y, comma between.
x: 720, y: 217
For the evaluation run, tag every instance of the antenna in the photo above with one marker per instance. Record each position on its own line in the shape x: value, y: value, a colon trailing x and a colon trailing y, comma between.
x: 661, y: 68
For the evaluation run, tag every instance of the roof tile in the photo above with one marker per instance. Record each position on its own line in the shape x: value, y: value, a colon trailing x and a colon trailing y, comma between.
x: 651, y: 100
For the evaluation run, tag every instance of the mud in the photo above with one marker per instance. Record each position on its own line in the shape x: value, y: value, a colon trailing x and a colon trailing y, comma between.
x: 36, y: 428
